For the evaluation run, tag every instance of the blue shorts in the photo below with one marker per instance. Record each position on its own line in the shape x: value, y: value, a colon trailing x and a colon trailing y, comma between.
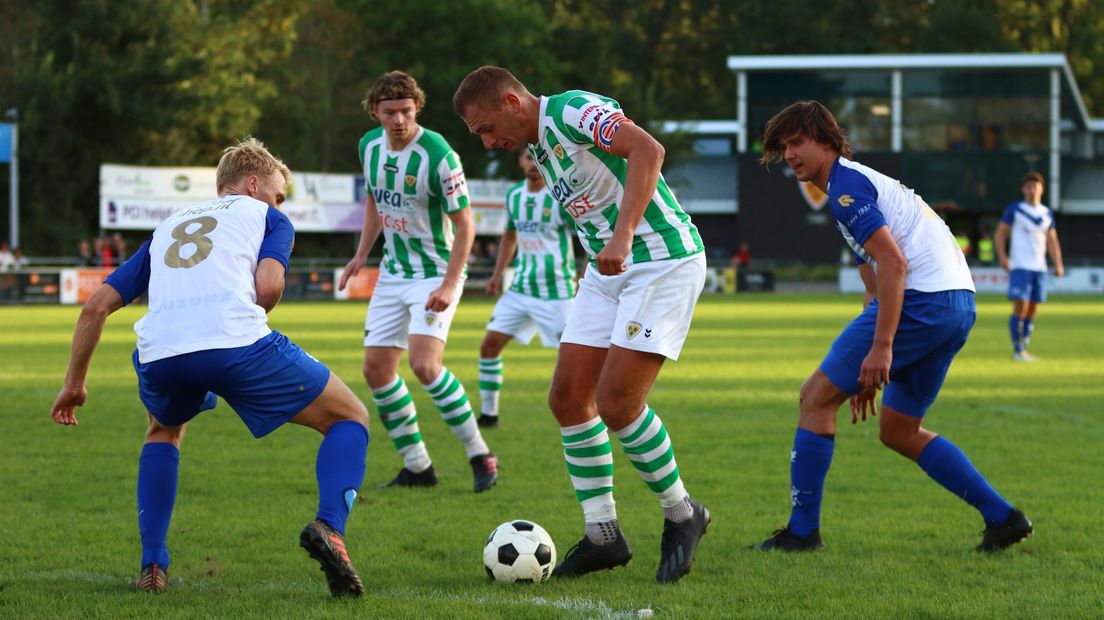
x: 266, y: 383
x: 933, y: 328
x: 1027, y: 285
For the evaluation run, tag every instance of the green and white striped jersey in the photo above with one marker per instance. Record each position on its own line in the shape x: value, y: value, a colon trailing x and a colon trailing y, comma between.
x: 545, y: 264
x: 415, y: 189
x: 574, y: 137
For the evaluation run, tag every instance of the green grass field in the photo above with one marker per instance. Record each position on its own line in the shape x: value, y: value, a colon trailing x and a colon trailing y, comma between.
x: 898, y: 545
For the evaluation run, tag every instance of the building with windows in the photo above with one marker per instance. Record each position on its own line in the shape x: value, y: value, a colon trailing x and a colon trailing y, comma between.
x: 961, y: 129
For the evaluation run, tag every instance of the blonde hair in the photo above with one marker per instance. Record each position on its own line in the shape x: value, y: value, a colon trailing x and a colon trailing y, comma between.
x: 393, y: 85
x: 249, y: 157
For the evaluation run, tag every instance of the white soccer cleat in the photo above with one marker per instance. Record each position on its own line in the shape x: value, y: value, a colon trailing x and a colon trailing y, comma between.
x: 1023, y: 356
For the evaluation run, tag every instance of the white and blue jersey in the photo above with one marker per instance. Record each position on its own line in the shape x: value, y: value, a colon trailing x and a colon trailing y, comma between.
x: 938, y: 308
x: 1031, y: 225
x: 204, y: 333
x: 863, y: 200
x: 198, y: 268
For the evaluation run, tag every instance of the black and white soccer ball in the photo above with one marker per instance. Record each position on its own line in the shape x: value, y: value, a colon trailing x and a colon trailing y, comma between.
x: 519, y: 551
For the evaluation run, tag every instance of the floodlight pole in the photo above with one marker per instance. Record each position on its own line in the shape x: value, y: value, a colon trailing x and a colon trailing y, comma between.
x: 13, y: 231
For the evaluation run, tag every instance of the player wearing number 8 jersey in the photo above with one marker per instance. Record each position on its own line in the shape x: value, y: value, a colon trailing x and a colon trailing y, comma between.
x: 633, y: 309
x: 416, y: 195
x: 212, y: 272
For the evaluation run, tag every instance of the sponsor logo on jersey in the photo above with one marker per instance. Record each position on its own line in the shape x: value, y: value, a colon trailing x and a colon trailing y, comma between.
x: 558, y: 151
x: 846, y: 200
x: 632, y: 328
x: 527, y: 226
x: 454, y: 183
x: 815, y: 198
x: 579, y: 207
x: 541, y: 154
x: 587, y: 111
x: 387, y: 198
x: 397, y: 224
x: 391, y: 167
x: 411, y: 179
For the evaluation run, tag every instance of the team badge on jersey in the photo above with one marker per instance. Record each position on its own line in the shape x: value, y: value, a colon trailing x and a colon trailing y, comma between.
x: 632, y: 328
x: 558, y: 150
x: 812, y: 195
x: 846, y: 200
x: 411, y: 179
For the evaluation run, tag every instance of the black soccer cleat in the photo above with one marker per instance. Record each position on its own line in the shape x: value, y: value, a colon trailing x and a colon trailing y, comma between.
x: 785, y: 540
x: 680, y: 541
x: 484, y: 471
x: 153, y: 578
x: 487, y: 421
x: 1017, y: 528
x: 327, y: 546
x: 409, y: 479
x: 587, y: 557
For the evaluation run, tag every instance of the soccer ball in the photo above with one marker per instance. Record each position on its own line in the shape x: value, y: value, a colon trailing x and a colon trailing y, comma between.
x: 519, y: 551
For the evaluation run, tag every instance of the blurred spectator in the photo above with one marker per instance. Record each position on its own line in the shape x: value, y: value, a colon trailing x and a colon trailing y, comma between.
x: 742, y: 258
x: 85, y: 257
x: 103, y: 252
x: 986, y: 252
x: 118, y: 246
x: 7, y: 259
x: 18, y: 260
x: 963, y: 240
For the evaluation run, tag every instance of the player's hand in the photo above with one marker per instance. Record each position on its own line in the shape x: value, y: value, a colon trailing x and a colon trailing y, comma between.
x: 68, y: 399
x: 863, y: 402
x: 1059, y: 271
x: 494, y: 285
x: 875, y: 367
x: 611, y: 260
x: 351, y: 269
x: 1004, y: 263
x: 441, y: 298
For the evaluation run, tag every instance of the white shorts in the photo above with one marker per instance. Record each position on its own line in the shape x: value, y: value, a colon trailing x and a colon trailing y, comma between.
x: 398, y: 304
x: 646, y: 308
x: 522, y: 316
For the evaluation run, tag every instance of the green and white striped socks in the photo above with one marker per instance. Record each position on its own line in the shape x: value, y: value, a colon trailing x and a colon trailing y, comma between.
x: 490, y: 384
x: 396, y: 410
x: 589, y: 459
x: 448, y: 394
x: 649, y: 448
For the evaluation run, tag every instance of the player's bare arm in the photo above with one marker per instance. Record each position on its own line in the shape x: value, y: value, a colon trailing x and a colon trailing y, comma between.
x: 506, y: 247
x: 644, y: 157
x: 870, y: 283
x: 441, y: 298
x: 86, y: 337
x: 369, y: 231
x: 269, y: 281
x: 890, y: 279
x: 1000, y: 241
x: 1055, y: 250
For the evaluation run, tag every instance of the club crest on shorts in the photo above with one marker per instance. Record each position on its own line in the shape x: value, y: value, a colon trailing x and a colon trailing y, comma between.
x: 430, y: 319
x: 632, y: 328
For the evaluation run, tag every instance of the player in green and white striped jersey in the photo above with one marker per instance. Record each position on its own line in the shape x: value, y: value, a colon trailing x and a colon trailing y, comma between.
x: 543, y: 285
x: 417, y: 194
x: 633, y: 308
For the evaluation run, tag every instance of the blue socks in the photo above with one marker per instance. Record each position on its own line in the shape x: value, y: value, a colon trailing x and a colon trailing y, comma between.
x: 340, y: 470
x: 1015, y: 329
x: 158, y: 470
x: 1025, y: 333
x: 947, y: 465
x: 809, y: 462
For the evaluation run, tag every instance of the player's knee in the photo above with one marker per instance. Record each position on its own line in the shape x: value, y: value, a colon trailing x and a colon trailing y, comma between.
x: 163, y: 434
x: 562, y: 400
x: 426, y: 370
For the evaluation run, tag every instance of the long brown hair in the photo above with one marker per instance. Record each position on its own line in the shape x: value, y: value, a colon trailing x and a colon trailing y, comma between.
x: 805, y: 118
